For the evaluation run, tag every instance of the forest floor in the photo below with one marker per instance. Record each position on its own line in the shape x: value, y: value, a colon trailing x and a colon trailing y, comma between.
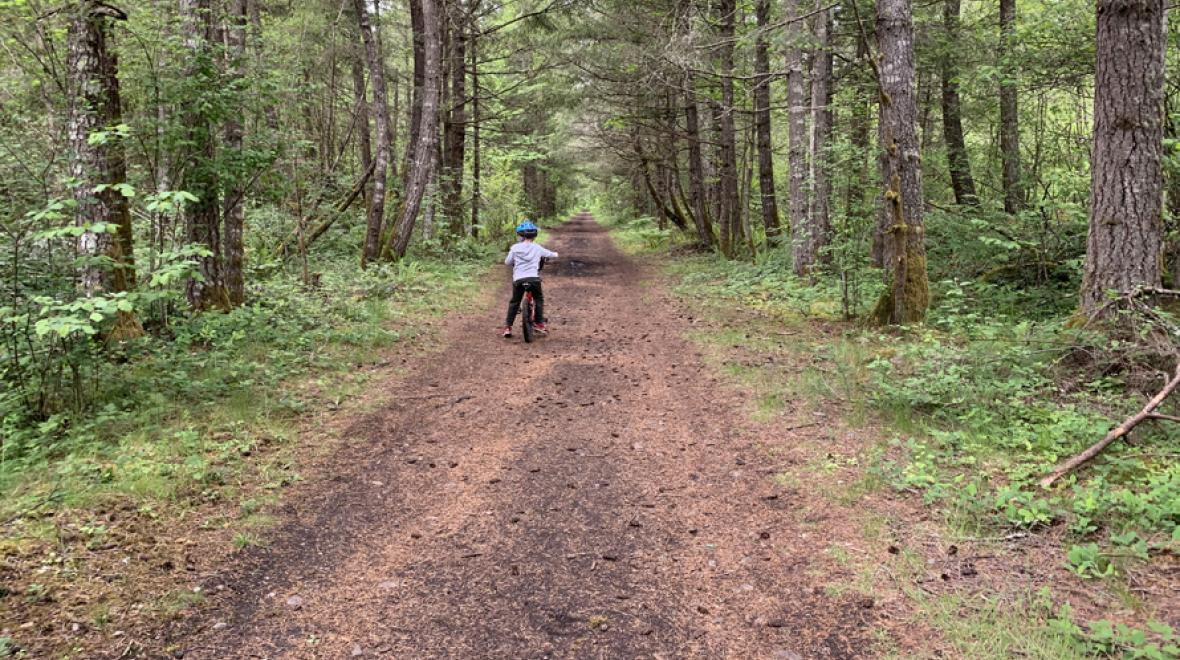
x: 621, y: 488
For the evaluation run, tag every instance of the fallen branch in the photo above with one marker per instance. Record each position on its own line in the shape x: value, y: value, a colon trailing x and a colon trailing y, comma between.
x: 284, y: 249
x: 1148, y: 412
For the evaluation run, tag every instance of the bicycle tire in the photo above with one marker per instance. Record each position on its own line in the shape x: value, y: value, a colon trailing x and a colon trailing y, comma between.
x: 526, y: 320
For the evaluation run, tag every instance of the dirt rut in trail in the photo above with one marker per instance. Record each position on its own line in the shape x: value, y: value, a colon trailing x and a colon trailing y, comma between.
x: 596, y: 494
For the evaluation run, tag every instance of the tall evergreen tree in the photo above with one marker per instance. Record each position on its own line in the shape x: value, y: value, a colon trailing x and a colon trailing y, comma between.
x: 1126, y: 200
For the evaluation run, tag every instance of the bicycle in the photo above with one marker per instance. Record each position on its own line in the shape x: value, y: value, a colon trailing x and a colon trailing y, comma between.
x: 528, y: 310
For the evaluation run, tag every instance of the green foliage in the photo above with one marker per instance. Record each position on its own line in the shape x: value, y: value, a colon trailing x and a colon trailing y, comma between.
x: 1111, y: 639
x: 1089, y: 562
x: 983, y: 401
x: 173, y: 414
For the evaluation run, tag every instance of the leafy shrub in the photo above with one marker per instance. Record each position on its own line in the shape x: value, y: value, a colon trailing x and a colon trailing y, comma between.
x: 1105, y: 638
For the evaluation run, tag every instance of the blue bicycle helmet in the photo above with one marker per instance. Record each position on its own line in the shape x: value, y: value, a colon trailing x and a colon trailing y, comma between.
x: 526, y: 229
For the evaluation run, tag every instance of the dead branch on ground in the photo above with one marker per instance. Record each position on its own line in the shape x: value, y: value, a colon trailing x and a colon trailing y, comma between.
x: 1161, y: 340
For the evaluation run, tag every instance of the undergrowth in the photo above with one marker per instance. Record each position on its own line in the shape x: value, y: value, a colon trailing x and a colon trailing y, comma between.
x: 172, y: 415
x: 982, y: 400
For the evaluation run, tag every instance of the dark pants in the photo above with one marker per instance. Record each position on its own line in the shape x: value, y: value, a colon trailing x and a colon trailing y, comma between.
x: 518, y: 295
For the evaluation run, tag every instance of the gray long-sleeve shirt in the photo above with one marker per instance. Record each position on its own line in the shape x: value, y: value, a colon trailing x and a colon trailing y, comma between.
x: 525, y: 259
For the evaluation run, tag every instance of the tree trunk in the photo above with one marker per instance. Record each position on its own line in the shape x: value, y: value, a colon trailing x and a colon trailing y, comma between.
x: 906, y: 295
x: 86, y: 44
x: 859, y: 139
x: 95, y: 105
x: 419, y: 50
x: 952, y: 121
x: 1126, y: 198
x: 476, y: 163
x: 202, y: 217
x: 820, y: 229
x: 455, y: 129
x: 801, y: 242
x: 696, y: 167
x: 727, y: 149
x: 426, y: 107
x: 363, y: 122
x: 235, y: 211
x: 376, y: 216
x: 1009, y: 119
x: 762, y: 122
x: 665, y: 206
x: 1172, y: 192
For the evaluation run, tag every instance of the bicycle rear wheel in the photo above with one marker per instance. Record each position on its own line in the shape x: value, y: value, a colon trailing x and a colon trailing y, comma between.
x: 526, y: 318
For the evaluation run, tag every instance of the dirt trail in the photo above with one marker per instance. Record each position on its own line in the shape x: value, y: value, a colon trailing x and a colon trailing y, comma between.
x: 598, y: 494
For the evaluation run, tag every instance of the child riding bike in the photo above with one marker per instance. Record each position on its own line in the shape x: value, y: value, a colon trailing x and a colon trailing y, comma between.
x: 526, y: 258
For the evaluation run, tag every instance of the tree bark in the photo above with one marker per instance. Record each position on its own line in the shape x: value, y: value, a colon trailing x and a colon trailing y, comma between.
x: 952, y: 121
x: 762, y: 122
x: 235, y: 211
x: 455, y: 128
x: 1172, y: 191
x: 203, y: 221
x: 727, y: 149
x: 94, y: 100
x: 801, y: 242
x: 424, y: 147
x: 417, y: 31
x: 665, y: 207
x: 820, y: 211
x: 476, y: 155
x: 696, y: 166
x: 1009, y: 117
x: 906, y: 295
x: 363, y: 120
x: 859, y: 139
x: 376, y: 215
x: 1126, y: 198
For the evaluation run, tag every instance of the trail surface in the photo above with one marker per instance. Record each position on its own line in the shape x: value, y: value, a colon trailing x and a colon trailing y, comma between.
x: 597, y: 494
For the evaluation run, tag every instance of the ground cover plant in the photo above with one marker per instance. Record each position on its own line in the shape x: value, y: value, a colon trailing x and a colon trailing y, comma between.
x: 976, y: 407
x: 202, y: 426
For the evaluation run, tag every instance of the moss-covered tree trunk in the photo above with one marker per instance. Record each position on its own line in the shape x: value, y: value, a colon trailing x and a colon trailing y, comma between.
x: 906, y: 294
x: 1126, y: 195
